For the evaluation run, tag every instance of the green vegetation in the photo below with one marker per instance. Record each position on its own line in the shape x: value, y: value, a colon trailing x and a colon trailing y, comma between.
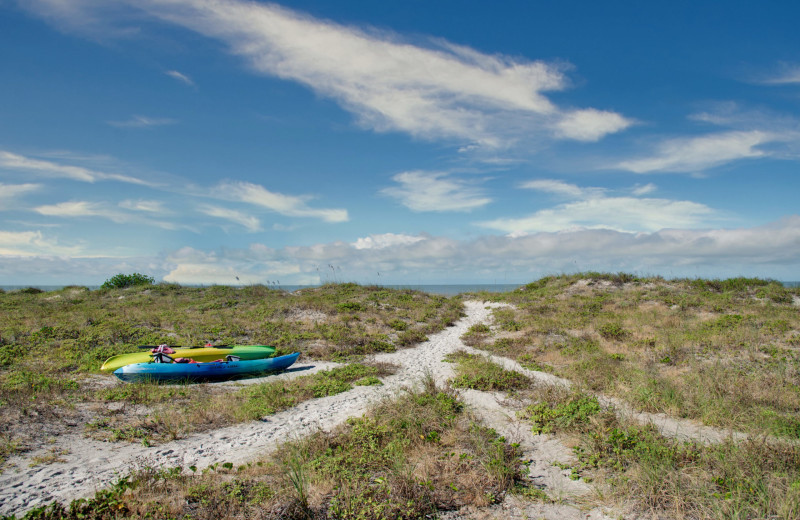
x: 479, y: 373
x: 724, y: 352
x: 121, y: 281
x: 53, y: 343
x: 410, y: 458
x: 663, y: 476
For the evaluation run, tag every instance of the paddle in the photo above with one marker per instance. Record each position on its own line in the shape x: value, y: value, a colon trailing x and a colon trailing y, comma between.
x: 179, y: 346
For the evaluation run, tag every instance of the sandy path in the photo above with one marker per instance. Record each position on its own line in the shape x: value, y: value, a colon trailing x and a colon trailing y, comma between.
x: 91, y: 465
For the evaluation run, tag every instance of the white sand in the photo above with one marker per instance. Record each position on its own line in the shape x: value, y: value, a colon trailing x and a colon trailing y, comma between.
x: 90, y: 465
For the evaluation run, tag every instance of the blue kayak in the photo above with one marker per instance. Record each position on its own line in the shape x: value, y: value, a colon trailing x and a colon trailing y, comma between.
x: 212, y: 371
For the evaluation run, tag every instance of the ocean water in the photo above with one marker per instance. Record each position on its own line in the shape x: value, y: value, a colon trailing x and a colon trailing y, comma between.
x: 443, y: 289
x: 440, y: 289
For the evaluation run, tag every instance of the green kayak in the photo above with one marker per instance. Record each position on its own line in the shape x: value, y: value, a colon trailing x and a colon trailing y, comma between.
x: 200, y: 354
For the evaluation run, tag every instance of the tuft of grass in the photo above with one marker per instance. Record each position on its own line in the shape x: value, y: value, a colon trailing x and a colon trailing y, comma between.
x: 480, y: 373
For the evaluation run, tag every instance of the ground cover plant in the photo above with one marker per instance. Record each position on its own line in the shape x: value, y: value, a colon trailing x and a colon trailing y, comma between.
x: 410, y: 457
x: 634, y: 465
x: 724, y: 352
x: 479, y: 373
x: 52, y: 343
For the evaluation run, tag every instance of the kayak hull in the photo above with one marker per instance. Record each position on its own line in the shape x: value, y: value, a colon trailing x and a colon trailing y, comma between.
x: 212, y: 371
x: 200, y: 354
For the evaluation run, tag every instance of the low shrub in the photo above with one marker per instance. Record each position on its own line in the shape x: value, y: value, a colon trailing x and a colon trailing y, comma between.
x: 121, y: 281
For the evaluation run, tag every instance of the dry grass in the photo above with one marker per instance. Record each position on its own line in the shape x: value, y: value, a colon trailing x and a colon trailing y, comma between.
x: 53, y: 343
x: 722, y: 352
x: 409, y: 457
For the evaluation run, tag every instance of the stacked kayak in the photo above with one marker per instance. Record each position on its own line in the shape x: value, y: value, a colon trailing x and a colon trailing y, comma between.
x: 200, y: 354
x: 211, y: 371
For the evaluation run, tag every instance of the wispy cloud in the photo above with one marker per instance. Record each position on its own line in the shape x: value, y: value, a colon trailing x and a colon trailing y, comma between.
x: 183, y: 78
x: 645, y: 189
x: 79, y: 208
x: 143, y: 122
x: 594, y: 208
x: 437, y: 91
x: 248, y: 221
x: 435, y: 191
x: 13, y: 161
x: 147, y: 206
x: 86, y: 209
x: 701, y: 153
x: 10, y: 192
x: 31, y: 243
x: 787, y: 74
x: 288, y: 205
x: 559, y: 188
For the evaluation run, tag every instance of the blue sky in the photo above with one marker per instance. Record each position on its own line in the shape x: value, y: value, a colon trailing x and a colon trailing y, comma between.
x: 225, y: 141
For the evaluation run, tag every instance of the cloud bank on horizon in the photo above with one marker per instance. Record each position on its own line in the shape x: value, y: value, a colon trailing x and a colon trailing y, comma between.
x: 414, y: 156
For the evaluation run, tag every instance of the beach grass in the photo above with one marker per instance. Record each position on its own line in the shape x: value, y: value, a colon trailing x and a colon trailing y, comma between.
x: 52, y: 344
x: 723, y: 352
x: 411, y: 456
x: 641, y: 470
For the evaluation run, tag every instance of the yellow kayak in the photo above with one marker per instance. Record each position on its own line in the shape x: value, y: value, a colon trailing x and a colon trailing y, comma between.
x: 200, y: 354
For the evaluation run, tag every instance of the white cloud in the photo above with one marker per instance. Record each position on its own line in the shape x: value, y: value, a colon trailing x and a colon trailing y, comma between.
x: 82, y: 209
x: 180, y: 77
x: 44, y: 168
x: 31, y: 243
x: 700, y: 153
x: 74, y: 209
x: 788, y: 74
x: 769, y: 251
x: 646, y: 189
x: 9, y: 192
x: 251, y: 223
x: 590, y: 124
x: 437, y: 91
x: 594, y: 208
x: 435, y: 191
x: 385, y: 240
x: 143, y: 122
x: 556, y: 187
x: 626, y: 214
x: 288, y: 205
x: 146, y: 206
x: 240, y: 267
